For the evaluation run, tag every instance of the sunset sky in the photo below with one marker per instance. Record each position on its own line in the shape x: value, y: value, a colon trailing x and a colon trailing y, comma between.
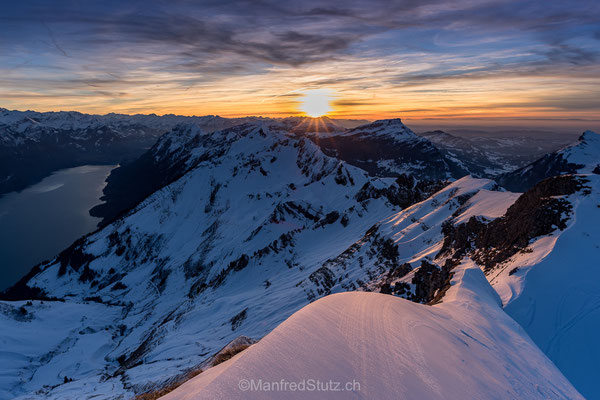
x: 419, y: 60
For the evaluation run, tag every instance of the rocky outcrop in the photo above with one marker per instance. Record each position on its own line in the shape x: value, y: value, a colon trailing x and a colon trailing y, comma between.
x: 405, y: 191
x: 538, y: 212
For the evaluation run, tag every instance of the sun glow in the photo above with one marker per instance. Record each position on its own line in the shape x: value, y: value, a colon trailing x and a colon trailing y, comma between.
x: 316, y: 103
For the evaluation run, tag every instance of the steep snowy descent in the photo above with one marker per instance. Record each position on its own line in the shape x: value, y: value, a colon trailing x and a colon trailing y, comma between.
x: 539, y: 250
x: 541, y: 257
x: 552, y: 291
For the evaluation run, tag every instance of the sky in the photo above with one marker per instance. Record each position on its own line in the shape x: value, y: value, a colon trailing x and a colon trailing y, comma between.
x: 479, y: 61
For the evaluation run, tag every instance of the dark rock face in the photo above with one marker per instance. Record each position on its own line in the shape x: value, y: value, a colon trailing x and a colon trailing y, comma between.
x: 74, y: 256
x: 430, y: 281
x: 395, y: 273
x: 536, y: 213
x: 324, y: 279
x: 328, y: 219
x: 405, y: 192
x: 238, y: 319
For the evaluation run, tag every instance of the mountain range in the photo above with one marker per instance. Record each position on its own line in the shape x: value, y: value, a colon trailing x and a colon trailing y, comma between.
x: 270, y: 249
x: 34, y: 144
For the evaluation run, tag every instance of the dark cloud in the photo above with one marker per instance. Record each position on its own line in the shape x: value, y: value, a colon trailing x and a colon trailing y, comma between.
x: 275, y: 35
x: 565, y: 53
x: 281, y: 33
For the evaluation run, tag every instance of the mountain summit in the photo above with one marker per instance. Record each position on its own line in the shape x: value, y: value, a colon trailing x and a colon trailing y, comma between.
x: 389, y: 148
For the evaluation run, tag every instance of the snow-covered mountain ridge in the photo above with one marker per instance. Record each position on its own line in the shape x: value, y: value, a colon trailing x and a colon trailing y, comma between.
x: 551, y: 289
x: 234, y: 244
x: 390, y: 148
x: 249, y: 224
x: 23, y: 124
x: 412, y: 155
x: 416, y: 236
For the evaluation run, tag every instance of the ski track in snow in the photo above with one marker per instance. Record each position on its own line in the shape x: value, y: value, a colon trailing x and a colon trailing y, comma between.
x: 395, y: 349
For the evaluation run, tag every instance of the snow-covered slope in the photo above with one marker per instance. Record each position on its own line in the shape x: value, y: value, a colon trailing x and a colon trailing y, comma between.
x: 542, y: 256
x: 375, y: 346
x: 539, y: 250
x: 548, y: 287
x: 231, y: 247
x: 168, y: 160
x: 192, y: 267
x: 582, y: 157
x: 42, y: 342
x: 552, y: 291
x: 374, y: 147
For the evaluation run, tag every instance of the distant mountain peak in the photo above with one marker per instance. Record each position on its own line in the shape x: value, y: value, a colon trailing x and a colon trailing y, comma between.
x: 383, y: 123
x: 388, y: 128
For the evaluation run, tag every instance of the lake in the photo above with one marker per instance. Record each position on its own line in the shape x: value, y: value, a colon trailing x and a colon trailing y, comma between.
x: 42, y: 220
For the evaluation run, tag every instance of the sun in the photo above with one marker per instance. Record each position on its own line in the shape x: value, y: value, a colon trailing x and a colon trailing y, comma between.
x: 316, y: 103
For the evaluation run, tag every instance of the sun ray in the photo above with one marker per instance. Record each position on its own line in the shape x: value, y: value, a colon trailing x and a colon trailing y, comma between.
x: 316, y: 103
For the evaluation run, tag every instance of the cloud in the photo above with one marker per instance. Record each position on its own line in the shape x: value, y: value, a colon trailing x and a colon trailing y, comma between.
x: 240, y: 52
x: 565, y: 53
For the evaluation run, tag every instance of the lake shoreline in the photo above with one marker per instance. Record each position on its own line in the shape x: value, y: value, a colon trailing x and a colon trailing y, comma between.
x: 45, y: 218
